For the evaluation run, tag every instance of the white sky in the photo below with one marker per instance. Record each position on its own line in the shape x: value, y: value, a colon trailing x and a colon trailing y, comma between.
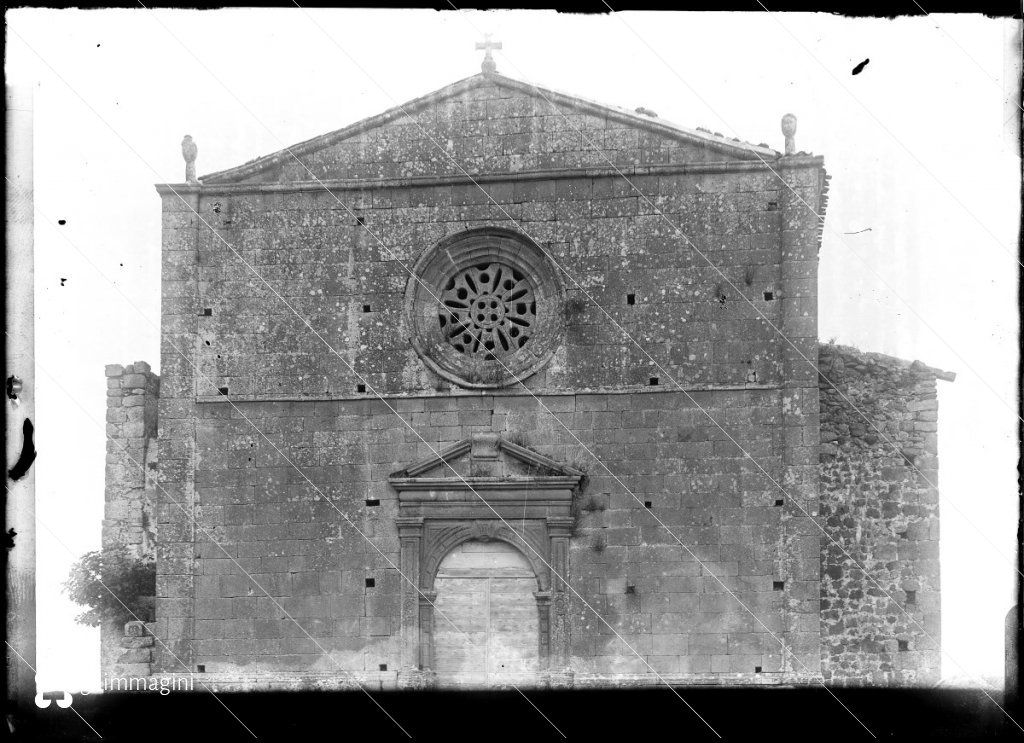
x: 916, y: 145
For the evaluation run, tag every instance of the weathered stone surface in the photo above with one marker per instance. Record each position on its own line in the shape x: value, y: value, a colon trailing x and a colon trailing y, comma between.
x: 137, y: 642
x: 873, y: 500
x: 134, y: 629
x: 135, y: 655
x: 130, y: 670
x: 291, y: 479
x: 130, y: 498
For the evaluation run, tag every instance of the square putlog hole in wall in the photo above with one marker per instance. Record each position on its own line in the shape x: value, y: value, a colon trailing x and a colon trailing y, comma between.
x: 201, y: 668
x: 647, y: 504
x: 370, y: 582
x: 631, y: 298
x: 631, y: 589
x: 769, y: 296
x: 222, y: 390
x: 372, y: 502
x: 653, y: 382
x: 366, y: 308
x: 903, y: 645
x: 205, y: 312
x: 383, y: 666
x: 757, y: 669
x: 779, y: 585
x: 360, y: 388
x: 780, y: 502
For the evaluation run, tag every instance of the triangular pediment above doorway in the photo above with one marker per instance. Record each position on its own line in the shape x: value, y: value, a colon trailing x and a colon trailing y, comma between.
x: 485, y: 459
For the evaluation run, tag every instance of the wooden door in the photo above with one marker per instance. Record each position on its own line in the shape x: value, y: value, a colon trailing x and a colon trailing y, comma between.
x: 485, y: 617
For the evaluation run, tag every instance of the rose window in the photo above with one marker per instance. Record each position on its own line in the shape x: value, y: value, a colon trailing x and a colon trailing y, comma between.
x: 489, y: 310
x: 483, y: 308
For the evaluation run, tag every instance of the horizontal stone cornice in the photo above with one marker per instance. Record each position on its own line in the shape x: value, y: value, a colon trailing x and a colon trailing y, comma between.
x: 365, y: 184
x: 512, y: 488
x: 644, y: 390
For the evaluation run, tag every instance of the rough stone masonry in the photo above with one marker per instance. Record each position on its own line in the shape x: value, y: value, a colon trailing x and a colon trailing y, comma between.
x: 133, y: 395
x: 457, y: 325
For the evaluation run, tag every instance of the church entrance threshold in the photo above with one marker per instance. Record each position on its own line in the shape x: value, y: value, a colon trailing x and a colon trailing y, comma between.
x: 485, y: 618
x: 491, y: 553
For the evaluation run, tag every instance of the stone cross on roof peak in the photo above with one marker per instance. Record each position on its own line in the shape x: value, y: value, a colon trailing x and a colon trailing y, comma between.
x: 488, y: 66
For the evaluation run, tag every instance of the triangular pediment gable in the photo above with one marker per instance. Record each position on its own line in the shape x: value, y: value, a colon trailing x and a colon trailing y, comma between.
x: 486, y: 456
x: 489, y: 123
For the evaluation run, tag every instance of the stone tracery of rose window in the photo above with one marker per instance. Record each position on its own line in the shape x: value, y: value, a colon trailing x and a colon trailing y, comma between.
x: 483, y: 308
x: 489, y: 310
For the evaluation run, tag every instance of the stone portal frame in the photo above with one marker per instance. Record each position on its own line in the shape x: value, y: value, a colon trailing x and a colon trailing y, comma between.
x: 532, y: 514
x: 442, y: 536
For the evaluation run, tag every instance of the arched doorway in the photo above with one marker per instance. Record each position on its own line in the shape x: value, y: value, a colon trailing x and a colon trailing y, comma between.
x: 486, y: 625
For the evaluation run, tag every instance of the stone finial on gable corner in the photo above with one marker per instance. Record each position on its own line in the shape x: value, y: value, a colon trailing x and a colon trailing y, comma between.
x: 189, y: 151
x: 488, y: 66
x: 789, y: 131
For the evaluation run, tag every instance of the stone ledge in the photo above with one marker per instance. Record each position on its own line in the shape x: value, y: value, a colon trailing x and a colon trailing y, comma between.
x: 132, y: 656
x: 868, y: 363
x: 131, y: 670
x: 640, y: 390
x: 426, y: 680
x: 137, y: 642
x: 367, y: 184
x: 775, y: 679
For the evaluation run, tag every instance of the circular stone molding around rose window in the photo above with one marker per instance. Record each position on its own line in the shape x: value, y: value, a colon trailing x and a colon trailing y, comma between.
x: 485, y: 308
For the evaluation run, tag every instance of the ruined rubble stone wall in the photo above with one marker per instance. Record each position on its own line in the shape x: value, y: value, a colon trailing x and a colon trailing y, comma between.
x: 880, y: 598
x: 133, y: 393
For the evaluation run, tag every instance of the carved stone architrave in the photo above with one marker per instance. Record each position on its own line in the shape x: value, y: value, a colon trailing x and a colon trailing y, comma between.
x: 531, y: 513
x: 441, y: 536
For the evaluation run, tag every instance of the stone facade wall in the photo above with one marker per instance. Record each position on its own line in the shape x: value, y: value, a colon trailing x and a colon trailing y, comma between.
x: 176, y: 510
x: 279, y: 528
x: 133, y: 393
x: 342, y: 282
x: 129, y: 512
x: 340, y: 257
x: 880, y: 589
x: 255, y: 494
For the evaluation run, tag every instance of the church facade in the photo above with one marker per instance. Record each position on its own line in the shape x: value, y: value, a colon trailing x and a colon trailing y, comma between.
x: 504, y: 386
